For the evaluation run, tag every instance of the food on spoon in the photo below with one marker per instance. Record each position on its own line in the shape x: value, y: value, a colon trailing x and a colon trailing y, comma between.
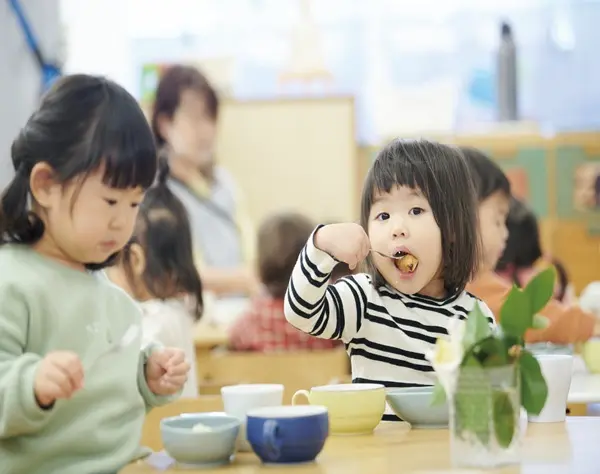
x: 201, y: 428
x: 407, y: 263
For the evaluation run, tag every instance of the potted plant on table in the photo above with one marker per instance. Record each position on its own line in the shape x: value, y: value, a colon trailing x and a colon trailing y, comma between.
x: 486, y: 375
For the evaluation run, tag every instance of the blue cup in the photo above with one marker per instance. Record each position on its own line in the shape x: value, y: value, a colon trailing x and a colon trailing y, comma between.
x: 288, y: 434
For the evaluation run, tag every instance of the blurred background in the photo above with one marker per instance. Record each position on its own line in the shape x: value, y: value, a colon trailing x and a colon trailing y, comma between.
x: 311, y: 89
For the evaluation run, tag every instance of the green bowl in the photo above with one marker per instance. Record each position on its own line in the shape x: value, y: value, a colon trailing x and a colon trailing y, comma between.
x: 413, y: 405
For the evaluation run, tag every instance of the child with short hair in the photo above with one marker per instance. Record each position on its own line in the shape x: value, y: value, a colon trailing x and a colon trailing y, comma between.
x: 156, y: 267
x: 418, y: 234
x: 263, y: 326
x: 74, y: 385
x: 567, y: 324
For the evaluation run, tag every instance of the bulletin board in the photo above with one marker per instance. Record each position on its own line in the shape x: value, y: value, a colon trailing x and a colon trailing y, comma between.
x: 292, y: 154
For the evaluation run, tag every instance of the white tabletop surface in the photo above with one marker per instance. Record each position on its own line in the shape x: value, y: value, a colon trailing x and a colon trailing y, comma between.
x: 585, y: 388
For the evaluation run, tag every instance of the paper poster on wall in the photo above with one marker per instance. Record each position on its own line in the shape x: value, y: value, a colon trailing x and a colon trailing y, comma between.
x: 149, y: 78
x: 586, y: 187
x: 519, y: 183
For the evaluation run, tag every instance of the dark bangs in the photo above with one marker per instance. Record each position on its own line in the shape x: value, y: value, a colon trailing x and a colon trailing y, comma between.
x: 81, y: 124
x: 440, y: 173
x: 122, y: 141
x: 401, y: 163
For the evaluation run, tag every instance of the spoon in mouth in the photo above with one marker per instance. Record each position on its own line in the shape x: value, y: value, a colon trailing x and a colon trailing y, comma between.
x: 405, y: 265
x: 396, y: 257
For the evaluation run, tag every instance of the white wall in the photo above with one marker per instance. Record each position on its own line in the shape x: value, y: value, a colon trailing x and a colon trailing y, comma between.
x: 97, y: 38
x: 100, y: 33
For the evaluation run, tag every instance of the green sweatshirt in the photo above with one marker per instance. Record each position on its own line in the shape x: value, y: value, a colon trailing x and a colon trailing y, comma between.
x: 44, y: 307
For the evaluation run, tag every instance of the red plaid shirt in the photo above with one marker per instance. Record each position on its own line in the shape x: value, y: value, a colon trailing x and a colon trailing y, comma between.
x: 264, y: 328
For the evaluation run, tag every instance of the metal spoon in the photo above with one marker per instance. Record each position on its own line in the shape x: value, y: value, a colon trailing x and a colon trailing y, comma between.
x: 388, y: 256
x: 128, y: 337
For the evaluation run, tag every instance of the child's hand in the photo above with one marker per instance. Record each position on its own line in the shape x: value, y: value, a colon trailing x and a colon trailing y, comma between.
x: 346, y: 242
x: 59, y: 375
x: 166, y: 371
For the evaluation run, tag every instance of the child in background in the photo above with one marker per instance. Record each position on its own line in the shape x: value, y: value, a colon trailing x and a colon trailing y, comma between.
x: 157, y: 268
x: 567, y: 324
x: 70, y: 402
x: 263, y: 327
x: 418, y: 204
x: 523, y: 258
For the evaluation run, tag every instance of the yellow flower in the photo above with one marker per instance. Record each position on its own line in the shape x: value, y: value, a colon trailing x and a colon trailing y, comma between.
x: 445, y: 352
x: 447, y: 356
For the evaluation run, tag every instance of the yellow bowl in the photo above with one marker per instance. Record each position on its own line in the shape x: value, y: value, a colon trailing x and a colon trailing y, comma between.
x: 591, y: 355
x: 353, y: 408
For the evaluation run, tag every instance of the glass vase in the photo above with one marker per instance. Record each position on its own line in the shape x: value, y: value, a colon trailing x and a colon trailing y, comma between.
x: 485, y: 417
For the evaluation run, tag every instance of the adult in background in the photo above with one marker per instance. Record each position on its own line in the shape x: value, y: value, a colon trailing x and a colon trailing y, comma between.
x: 184, y: 122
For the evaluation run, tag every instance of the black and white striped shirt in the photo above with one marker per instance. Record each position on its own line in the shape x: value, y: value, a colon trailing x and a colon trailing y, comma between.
x: 386, y: 333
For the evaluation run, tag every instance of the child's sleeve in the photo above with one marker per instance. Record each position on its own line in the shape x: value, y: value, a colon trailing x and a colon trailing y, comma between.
x: 485, y: 309
x: 566, y: 325
x: 150, y: 399
x: 20, y: 413
x: 320, y: 309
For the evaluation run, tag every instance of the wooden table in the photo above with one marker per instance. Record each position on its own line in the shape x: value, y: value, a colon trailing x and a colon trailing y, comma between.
x: 557, y: 448
x: 585, y: 388
x: 206, y: 338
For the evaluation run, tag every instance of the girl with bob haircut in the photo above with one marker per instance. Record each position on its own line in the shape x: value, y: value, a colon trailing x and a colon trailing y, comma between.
x: 418, y: 237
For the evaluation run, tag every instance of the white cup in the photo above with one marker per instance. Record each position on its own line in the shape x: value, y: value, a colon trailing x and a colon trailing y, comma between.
x: 557, y: 370
x: 238, y: 399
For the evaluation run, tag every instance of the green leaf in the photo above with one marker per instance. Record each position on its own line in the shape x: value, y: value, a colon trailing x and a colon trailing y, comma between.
x: 540, y: 322
x: 492, y: 352
x: 469, y: 359
x: 476, y: 328
x: 504, y: 418
x: 516, y: 315
x: 540, y: 289
x: 439, y: 394
x: 534, y: 390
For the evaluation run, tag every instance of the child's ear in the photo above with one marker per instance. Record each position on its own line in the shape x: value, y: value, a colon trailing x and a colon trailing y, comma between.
x: 137, y: 260
x: 43, y: 184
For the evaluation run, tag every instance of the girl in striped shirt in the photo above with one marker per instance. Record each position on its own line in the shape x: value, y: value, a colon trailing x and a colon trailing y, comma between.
x: 419, y: 241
